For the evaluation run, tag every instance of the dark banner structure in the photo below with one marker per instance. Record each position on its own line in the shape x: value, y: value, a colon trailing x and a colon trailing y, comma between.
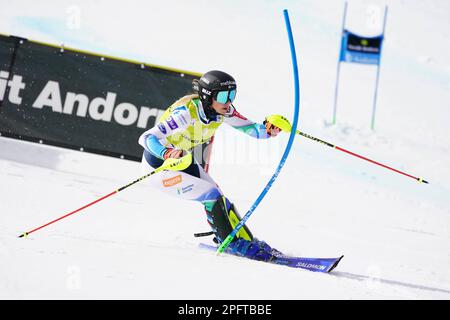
x: 358, y: 49
x: 363, y: 50
x: 79, y: 100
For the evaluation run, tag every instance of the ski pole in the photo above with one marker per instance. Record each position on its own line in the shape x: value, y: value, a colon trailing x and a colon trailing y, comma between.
x: 284, y: 125
x: 169, y: 164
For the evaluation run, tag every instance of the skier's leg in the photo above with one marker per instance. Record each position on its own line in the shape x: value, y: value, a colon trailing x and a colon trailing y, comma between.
x: 223, y: 217
x: 187, y: 184
x: 194, y: 183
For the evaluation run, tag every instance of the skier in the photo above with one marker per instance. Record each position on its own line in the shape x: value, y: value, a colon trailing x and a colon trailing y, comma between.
x: 192, y: 121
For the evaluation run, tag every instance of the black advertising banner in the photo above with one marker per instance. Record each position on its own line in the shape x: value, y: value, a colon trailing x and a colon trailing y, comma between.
x: 82, y: 101
x: 7, y: 47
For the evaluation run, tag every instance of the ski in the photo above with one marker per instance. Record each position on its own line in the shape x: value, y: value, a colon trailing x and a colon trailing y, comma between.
x: 325, y: 265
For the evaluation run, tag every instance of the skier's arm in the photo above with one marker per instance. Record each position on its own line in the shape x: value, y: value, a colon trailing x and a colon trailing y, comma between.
x: 151, y: 143
x: 253, y: 129
x: 154, y: 139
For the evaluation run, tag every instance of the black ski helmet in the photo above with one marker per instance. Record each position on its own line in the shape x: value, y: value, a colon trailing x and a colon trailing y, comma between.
x: 210, y: 83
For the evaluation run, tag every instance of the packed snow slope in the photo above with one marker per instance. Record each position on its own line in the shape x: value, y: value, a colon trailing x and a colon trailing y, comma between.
x: 139, y: 244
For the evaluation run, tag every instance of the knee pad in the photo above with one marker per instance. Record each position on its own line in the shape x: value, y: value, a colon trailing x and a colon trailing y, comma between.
x: 223, y: 217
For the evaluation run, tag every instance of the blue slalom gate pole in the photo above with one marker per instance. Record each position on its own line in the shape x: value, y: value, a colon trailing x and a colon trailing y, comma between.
x: 233, y: 233
x: 372, y: 125
x: 339, y: 66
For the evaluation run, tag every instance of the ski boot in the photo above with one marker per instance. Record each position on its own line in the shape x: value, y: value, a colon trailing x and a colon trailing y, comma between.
x: 223, y: 217
x: 254, y: 249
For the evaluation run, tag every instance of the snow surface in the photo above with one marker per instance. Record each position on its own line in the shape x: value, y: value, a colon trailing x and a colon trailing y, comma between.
x: 393, y: 231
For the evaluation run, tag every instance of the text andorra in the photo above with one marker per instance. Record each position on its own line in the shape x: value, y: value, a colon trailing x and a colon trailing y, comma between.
x: 97, y: 108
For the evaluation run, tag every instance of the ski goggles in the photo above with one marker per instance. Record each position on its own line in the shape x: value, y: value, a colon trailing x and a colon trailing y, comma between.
x: 225, y: 96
